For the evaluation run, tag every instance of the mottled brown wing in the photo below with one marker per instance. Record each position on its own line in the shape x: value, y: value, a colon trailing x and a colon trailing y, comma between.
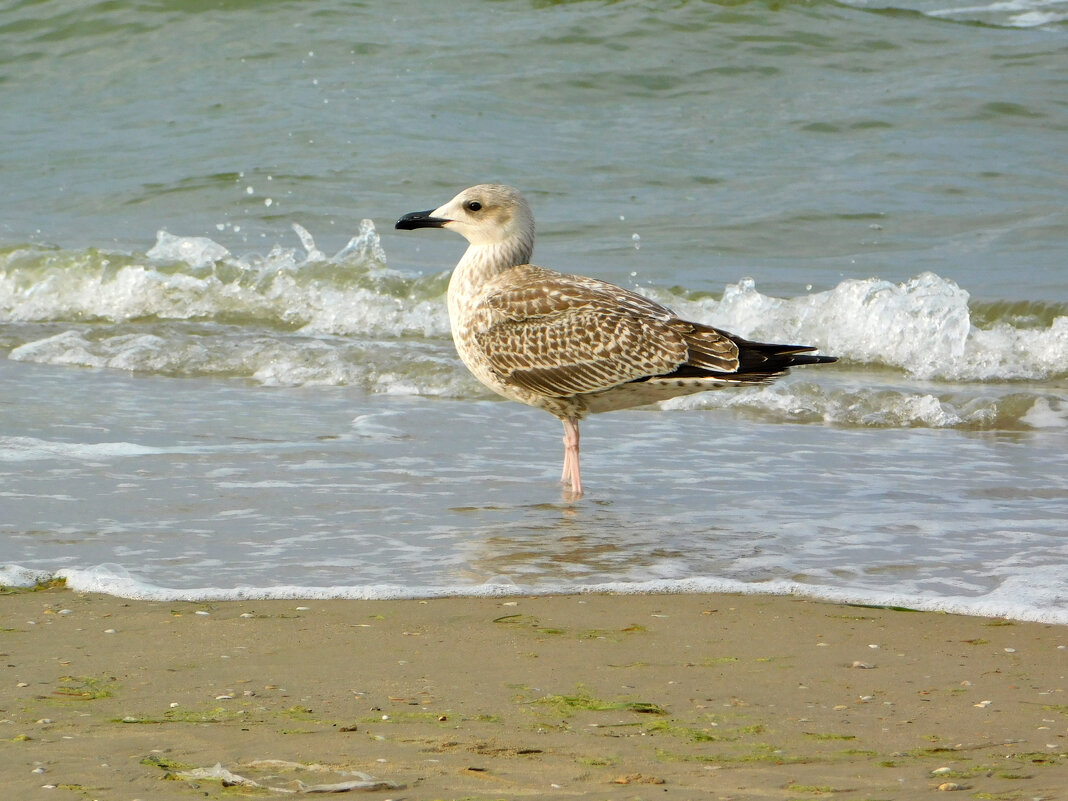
x: 711, y: 349
x: 561, y: 335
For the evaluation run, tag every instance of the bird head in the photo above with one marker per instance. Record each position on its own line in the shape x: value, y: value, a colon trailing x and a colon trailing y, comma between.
x: 487, y: 214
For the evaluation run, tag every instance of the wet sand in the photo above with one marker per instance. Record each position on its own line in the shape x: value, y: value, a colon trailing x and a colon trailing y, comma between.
x: 602, y: 697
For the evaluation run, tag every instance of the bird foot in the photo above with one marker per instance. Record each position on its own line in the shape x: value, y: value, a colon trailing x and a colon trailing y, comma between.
x: 568, y: 495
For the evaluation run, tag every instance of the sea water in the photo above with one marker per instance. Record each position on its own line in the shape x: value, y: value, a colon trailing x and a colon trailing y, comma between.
x: 226, y: 375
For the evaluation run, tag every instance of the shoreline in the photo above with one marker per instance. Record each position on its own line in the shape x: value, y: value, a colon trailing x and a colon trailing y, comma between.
x: 124, y: 586
x: 601, y: 696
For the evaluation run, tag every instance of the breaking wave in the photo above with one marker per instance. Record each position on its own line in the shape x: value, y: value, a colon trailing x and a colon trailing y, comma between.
x: 917, y: 353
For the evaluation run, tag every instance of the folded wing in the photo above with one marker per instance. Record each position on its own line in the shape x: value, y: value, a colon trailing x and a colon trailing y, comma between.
x: 560, y: 335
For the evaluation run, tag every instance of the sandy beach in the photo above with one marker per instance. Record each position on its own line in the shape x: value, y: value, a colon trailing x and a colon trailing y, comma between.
x: 601, y: 697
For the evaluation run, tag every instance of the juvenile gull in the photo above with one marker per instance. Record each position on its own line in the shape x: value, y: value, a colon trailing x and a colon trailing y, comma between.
x: 572, y: 345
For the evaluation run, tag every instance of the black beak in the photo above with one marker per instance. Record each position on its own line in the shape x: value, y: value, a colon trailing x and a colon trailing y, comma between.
x: 420, y: 219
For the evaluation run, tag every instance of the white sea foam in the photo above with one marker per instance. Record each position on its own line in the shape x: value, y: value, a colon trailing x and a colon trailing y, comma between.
x: 296, y: 317
x: 1040, y: 597
x: 426, y: 368
x: 1011, y: 13
x: 1006, y: 13
x: 196, y: 251
x: 21, y: 449
x: 18, y: 576
x: 922, y: 326
x: 28, y: 449
x: 881, y: 405
x: 1047, y: 413
x: 193, y: 278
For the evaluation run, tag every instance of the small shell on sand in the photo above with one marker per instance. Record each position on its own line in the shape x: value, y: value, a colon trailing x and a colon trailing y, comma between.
x: 637, y: 778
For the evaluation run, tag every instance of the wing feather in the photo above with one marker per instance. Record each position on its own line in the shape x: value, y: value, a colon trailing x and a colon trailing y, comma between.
x: 561, y: 335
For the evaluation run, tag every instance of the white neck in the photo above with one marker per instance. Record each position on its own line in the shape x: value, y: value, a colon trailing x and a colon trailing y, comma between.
x: 482, y: 263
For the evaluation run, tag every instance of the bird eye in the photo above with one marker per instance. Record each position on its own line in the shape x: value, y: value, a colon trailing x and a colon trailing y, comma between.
x: 473, y: 205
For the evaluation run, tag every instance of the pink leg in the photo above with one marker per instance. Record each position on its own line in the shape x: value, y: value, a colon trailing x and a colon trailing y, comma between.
x: 571, y: 456
x: 570, y: 450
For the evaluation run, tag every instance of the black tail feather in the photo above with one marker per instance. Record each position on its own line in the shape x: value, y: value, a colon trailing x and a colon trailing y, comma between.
x: 757, y: 362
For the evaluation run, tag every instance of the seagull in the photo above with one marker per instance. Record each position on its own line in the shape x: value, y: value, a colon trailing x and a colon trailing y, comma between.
x: 573, y: 345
